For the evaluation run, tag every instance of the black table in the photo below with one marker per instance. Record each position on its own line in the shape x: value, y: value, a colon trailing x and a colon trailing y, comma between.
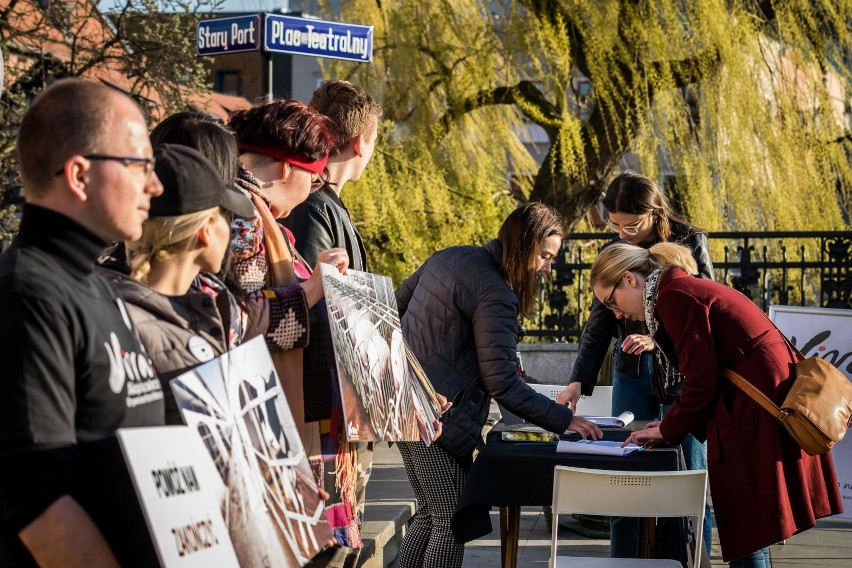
x: 509, y: 475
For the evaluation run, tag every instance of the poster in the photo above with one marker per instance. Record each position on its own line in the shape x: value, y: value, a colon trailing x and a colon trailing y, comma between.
x: 826, y: 333
x: 385, y: 393
x: 181, y: 494
x: 273, y: 510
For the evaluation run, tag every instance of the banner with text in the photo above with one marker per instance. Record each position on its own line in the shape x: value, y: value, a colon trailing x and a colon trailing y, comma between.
x: 319, y: 38
x: 825, y: 333
x: 182, y: 495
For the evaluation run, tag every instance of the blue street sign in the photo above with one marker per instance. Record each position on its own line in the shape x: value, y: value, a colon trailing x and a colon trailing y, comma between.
x: 318, y: 38
x: 227, y: 35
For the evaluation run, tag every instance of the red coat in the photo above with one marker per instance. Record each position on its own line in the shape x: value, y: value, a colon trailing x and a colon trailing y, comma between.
x: 764, y: 487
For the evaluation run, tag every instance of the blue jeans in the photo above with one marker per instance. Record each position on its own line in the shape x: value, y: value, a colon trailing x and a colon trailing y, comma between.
x: 758, y: 559
x: 636, y: 394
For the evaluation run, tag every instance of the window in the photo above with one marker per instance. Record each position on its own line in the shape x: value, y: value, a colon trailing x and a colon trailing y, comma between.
x: 228, y: 82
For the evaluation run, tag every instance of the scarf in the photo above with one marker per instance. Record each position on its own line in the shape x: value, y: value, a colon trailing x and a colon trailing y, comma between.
x: 671, y: 376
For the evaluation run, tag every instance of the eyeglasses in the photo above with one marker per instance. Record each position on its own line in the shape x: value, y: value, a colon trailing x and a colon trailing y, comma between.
x: 631, y: 229
x: 609, y: 302
x: 127, y: 161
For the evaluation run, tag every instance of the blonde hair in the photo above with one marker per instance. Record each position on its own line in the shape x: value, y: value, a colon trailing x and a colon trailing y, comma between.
x: 619, y: 258
x: 163, y: 238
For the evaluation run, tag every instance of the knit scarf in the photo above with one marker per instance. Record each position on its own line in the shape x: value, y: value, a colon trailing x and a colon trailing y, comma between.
x: 672, y: 376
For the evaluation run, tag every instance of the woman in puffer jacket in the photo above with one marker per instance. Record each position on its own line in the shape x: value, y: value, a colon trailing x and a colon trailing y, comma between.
x: 459, y: 315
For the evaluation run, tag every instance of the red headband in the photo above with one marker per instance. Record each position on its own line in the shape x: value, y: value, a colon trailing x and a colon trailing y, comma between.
x: 298, y: 161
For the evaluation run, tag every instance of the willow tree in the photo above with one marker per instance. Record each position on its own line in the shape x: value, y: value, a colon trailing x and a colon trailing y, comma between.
x: 743, y: 103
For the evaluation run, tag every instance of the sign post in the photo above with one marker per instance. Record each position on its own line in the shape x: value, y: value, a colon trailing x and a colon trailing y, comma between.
x: 284, y: 34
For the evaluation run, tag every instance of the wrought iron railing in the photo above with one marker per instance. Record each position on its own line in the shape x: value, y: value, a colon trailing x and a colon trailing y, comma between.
x: 780, y: 268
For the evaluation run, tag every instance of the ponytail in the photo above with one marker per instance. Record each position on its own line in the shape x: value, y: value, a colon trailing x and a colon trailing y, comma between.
x: 672, y: 255
x: 163, y: 238
x: 619, y: 258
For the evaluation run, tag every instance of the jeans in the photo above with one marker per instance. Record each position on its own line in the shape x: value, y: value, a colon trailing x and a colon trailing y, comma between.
x: 758, y: 559
x: 636, y: 394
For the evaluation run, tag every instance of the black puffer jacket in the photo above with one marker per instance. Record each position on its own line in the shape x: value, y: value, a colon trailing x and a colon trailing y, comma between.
x: 602, y: 325
x: 460, y: 318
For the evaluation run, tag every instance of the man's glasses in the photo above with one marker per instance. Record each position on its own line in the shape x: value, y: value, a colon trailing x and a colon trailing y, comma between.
x: 609, y: 302
x: 127, y: 161
x: 631, y: 229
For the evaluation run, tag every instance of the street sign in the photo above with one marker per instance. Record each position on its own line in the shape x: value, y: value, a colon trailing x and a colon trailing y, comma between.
x: 228, y: 35
x: 318, y: 38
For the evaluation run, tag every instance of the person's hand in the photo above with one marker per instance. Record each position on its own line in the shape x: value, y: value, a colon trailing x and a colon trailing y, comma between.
x: 570, y: 395
x: 325, y: 496
x: 647, y: 437
x: 444, y: 403
x: 337, y: 257
x: 585, y: 428
x: 439, y: 428
x: 637, y: 343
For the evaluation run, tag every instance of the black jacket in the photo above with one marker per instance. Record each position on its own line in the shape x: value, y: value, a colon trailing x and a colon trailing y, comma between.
x: 602, y: 324
x: 322, y: 222
x: 73, y: 374
x: 460, y: 318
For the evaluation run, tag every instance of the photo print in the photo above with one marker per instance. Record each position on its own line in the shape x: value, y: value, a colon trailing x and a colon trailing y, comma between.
x: 385, y: 393
x: 273, y: 509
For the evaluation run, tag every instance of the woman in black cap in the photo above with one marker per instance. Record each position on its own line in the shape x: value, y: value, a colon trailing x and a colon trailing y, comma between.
x: 182, y: 311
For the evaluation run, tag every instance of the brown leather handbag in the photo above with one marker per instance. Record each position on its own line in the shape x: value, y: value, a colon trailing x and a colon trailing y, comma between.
x: 816, y: 411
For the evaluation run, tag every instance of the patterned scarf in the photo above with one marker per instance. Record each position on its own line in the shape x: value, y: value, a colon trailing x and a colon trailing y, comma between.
x: 673, y: 377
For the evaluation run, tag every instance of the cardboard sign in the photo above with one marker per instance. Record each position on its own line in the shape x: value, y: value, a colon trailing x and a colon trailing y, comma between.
x: 181, y: 494
x: 385, y: 393
x: 826, y: 333
x: 274, y: 510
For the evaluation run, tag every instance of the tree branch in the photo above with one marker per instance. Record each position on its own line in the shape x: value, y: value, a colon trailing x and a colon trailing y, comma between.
x: 524, y: 92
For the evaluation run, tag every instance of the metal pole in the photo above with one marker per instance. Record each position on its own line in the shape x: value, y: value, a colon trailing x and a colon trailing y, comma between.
x: 267, y: 74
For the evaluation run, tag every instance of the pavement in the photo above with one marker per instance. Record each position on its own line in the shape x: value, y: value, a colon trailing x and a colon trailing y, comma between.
x: 390, y: 502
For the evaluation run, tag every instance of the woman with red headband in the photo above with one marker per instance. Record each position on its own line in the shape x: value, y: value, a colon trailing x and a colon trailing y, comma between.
x: 284, y: 146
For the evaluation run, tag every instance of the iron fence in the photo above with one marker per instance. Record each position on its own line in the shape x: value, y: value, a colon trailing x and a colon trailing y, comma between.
x: 772, y: 268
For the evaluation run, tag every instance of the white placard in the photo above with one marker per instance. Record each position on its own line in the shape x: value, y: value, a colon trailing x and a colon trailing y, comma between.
x: 827, y: 333
x: 181, y: 494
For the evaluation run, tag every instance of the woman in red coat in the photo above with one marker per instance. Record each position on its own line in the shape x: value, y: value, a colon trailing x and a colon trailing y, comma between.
x: 765, y: 488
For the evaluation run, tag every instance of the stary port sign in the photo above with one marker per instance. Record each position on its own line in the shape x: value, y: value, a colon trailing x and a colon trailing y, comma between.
x: 228, y: 35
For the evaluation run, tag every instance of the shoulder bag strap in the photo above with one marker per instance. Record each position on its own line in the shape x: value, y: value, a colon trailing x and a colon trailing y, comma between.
x: 753, y: 392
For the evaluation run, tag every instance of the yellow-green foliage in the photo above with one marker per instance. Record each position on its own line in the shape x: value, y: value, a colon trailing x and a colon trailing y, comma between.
x: 745, y: 109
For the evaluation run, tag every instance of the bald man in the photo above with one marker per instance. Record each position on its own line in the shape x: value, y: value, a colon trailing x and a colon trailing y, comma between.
x: 73, y: 371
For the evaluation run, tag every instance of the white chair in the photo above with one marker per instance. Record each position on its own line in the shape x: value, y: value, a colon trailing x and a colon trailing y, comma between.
x: 626, y: 494
x: 598, y: 404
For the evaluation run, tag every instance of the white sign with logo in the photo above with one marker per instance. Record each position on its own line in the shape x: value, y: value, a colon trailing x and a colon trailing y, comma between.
x: 181, y: 493
x: 826, y: 333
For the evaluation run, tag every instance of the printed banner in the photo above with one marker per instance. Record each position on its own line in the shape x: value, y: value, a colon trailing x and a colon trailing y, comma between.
x: 274, y: 511
x: 826, y: 333
x: 181, y: 494
x: 385, y: 393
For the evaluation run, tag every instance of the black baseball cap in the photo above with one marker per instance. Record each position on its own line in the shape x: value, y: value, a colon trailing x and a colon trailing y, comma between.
x: 191, y: 183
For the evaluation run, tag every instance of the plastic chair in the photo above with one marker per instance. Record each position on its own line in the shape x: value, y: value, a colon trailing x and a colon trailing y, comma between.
x: 627, y: 494
x: 598, y: 404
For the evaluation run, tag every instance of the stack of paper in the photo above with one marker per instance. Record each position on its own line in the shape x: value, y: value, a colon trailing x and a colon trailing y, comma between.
x: 597, y: 447
x: 619, y: 421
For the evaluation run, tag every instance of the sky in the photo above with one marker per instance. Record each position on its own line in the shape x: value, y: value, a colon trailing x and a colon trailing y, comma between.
x: 229, y: 6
